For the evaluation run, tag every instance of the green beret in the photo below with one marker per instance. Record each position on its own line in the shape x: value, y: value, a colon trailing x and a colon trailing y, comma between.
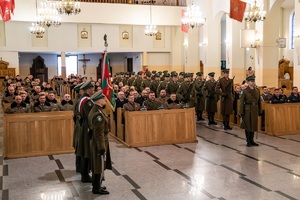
x: 98, y: 95
x: 212, y: 74
x: 226, y: 71
x: 86, y: 85
x: 140, y: 73
x: 167, y: 75
x: 250, y: 78
x: 154, y: 72
x: 199, y: 74
x: 77, y: 87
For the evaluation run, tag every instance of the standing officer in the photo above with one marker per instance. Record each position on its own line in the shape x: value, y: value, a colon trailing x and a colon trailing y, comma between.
x: 83, y: 150
x: 250, y: 109
x: 225, y: 90
x: 100, y: 155
x: 198, y: 95
x: 173, y: 86
x: 209, y: 89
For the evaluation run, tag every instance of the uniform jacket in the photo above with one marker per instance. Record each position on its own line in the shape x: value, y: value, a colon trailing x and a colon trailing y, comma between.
x: 211, y: 96
x: 183, y: 90
x: 145, y: 83
x: 131, y: 107
x: 162, y: 100
x: 37, y: 107
x: 266, y: 97
x: 172, y: 87
x: 198, y: 95
x: 294, y: 98
x: 250, y: 108
x: 173, y: 104
x: 152, y: 105
x: 14, y: 108
x: 56, y: 106
x: 66, y: 106
x: 162, y: 86
x: 153, y: 86
x: 8, y: 98
x: 76, y: 118
x: 137, y: 84
x: 225, y: 89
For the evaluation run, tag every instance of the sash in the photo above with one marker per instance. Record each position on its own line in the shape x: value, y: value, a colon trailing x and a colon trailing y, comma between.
x: 82, y: 101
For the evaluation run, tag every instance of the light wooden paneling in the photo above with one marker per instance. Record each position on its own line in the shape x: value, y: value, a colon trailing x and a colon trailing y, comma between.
x: 148, y: 128
x: 35, y: 134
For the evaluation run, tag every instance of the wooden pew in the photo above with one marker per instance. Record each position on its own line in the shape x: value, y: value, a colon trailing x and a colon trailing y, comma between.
x: 160, y: 127
x: 120, y: 125
x: 282, y: 119
x: 38, y: 134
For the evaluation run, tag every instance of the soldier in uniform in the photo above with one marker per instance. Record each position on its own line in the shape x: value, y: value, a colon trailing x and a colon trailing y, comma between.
x: 225, y: 90
x: 152, y: 104
x: 146, y: 81
x: 250, y: 109
x: 56, y: 106
x: 42, y: 105
x: 173, y: 103
x: 83, y: 150
x: 18, y: 106
x: 181, y: 77
x: 154, y: 84
x: 66, y: 104
x: 100, y: 156
x: 198, y: 95
x: 9, y: 95
x: 138, y: 81
x: 131, y: 105
x: 76, y: 118
x: 209, y: 89
x: 131, y: 79
x: 173, y: 85
x: 184, y: 90
x: 163, y: 84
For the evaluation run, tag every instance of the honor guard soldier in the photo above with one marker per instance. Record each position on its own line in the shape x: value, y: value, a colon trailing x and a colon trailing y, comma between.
x: 184, y: 90
x: 76, y: 119
x: 198, y: 95
x: 181, y: 77
x: 83, y: 150
x: 173, y: 85
x: 138, y: 81
x: 225, y: 90
x: 100, y: 156
x: 154, y: 84
x: 146, y: 81
x: 209, y: 89
x: 250, y: 109
x: 163, y: 84
x: 131, y: 79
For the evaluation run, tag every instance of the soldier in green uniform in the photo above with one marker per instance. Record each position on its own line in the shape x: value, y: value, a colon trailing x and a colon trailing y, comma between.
x: 225, y: 90
x: 138, y: 81
x: 250, y: 109
x: 100, y: 155
x: 76, y: 118
x: 184, y: 90
x: 173, y: 85
x: 152, y: 103
x: 18, y: 106
x: 163, y: 84
x: 131, y: 79
x: 198, y: 95
x: 146, y: 81
x: 154, y: 84
x: 83, y: 150
x: 209, y: 90
x: 181, y: 77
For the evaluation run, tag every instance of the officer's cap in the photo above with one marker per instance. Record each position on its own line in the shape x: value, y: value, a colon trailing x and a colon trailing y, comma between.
x: 77, y: 87
x: 98, y: 95
x: 174, y: 74
x: 86, y: 85
x: 181, y: 73
x: 157, y: 75
x: 148, y: 74
x: 140, y: 73
x: 226, y: 71
x: 167, y: 75
x: 250, y: 78
x: 166, y: 71
x: 153, y: 72
x: 212, y: 74
x: 199, y: 74
x: 132, y: 73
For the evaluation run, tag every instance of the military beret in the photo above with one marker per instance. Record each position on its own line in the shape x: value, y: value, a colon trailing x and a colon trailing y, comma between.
x: 199, y: 74
x: 140, y: 73
x: 212, y: 74
x: 250, y: 78
x: 226, y: 71
x: 86, y: 85
x: 77, y: 87
x: 154, y: 72
x: 98, y: 95
x: 167, y: 75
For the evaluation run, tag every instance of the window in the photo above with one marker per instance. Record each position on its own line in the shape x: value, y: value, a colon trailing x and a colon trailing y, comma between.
x: 292, y: 30
x: 71, y: 65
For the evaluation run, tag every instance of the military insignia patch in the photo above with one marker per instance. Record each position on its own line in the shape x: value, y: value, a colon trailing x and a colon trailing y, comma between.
x: 99, y: 118
x: 89, y: 103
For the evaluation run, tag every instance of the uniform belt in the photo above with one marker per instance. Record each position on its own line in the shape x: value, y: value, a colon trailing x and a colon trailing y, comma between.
x: 251, y: 104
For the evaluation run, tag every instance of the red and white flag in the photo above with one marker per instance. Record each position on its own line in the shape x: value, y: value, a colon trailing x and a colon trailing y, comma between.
x: 237, y: 10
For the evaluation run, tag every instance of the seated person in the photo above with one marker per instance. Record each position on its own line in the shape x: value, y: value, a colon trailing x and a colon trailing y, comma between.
x: 131, y: 105
x: 56, y: 106
x: 277, y: 97
x: 294, y: 97
x: 142, y: 98
x: 162, y: 97
x: 121, y: 100
x: 18, y: 106
x: 35, y: 93
x: 42, y: 105
x: 173, y: 103
x: 266, y: 96
x: 152, y: 104
x: 9, y: 95
x: 25, y: 98
x: 66, y: 103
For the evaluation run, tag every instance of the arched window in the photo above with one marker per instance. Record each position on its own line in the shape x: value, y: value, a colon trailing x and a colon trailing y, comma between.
x: 292, y: 30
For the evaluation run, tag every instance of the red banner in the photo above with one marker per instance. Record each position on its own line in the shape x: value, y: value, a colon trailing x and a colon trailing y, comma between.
x: 237, y: 10
x: 184, y: 28
x: 6, y: 8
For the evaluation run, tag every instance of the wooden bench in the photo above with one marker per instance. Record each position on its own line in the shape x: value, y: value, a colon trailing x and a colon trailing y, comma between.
x: 38, y: 134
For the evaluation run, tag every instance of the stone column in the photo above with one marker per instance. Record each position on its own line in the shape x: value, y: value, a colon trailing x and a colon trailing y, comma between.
x: 63, y: 65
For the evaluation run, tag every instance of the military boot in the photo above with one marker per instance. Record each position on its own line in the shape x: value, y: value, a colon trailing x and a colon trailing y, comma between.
x: 97, y: 185
x: 200, y: 116
x: 228, y: 127
x: 248, y: 138
x: 78, y: 163
x: 252, y: 139
x: 224, y: 125
x: 85, y: 177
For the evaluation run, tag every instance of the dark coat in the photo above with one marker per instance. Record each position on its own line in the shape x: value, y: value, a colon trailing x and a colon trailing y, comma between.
x: 66, y: 106
x: 14, y: 108
x: 120, y: 104
x: 280, y: 99
x: 198, y: 95
x: 37, y: 107
x: 225, y: 90
x: 153, y: 86
x: 173, y: 104
x: 140, y: 100
x: 294, y: 98
x: 145, y: 83
x: 99, y: 124
x: 131, y: 107
x: 76, y: 118
x: 172, y: 87
x: 250, y: 108
x: 211, y: 96
x: 152, y: 105
x: 162, y: 86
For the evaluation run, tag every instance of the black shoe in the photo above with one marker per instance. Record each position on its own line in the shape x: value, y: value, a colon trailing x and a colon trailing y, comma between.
x: 229, y: 128
x: 78, y: 169
x: 254, y: 144
x: 86, y: 179
x: 100, y: 191
x: 103, y: 188
x: 201, y: 119
x: 248, y: 144
x: 214, y: 123
x: 209, y: 123
x: 225, y: 128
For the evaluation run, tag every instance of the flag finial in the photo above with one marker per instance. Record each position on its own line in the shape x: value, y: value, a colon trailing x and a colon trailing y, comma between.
x: 105, y: 42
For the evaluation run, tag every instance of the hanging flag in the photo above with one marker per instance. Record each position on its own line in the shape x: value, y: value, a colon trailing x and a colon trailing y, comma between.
x: 237, y: 10
x: 107, y: 86
x: 7, y: 8
x: 184, y: 28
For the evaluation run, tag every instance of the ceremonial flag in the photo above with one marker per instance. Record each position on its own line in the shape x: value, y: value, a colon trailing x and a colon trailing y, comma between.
x: 184, y: 28
x: 6, y: 8
x: 107, y: 87
x: 237, y: 10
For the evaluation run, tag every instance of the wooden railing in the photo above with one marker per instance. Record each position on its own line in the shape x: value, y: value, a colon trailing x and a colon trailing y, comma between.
x: 37, y: 134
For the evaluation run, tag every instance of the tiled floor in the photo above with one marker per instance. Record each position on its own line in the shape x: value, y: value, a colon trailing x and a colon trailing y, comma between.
x: 219, y: 166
